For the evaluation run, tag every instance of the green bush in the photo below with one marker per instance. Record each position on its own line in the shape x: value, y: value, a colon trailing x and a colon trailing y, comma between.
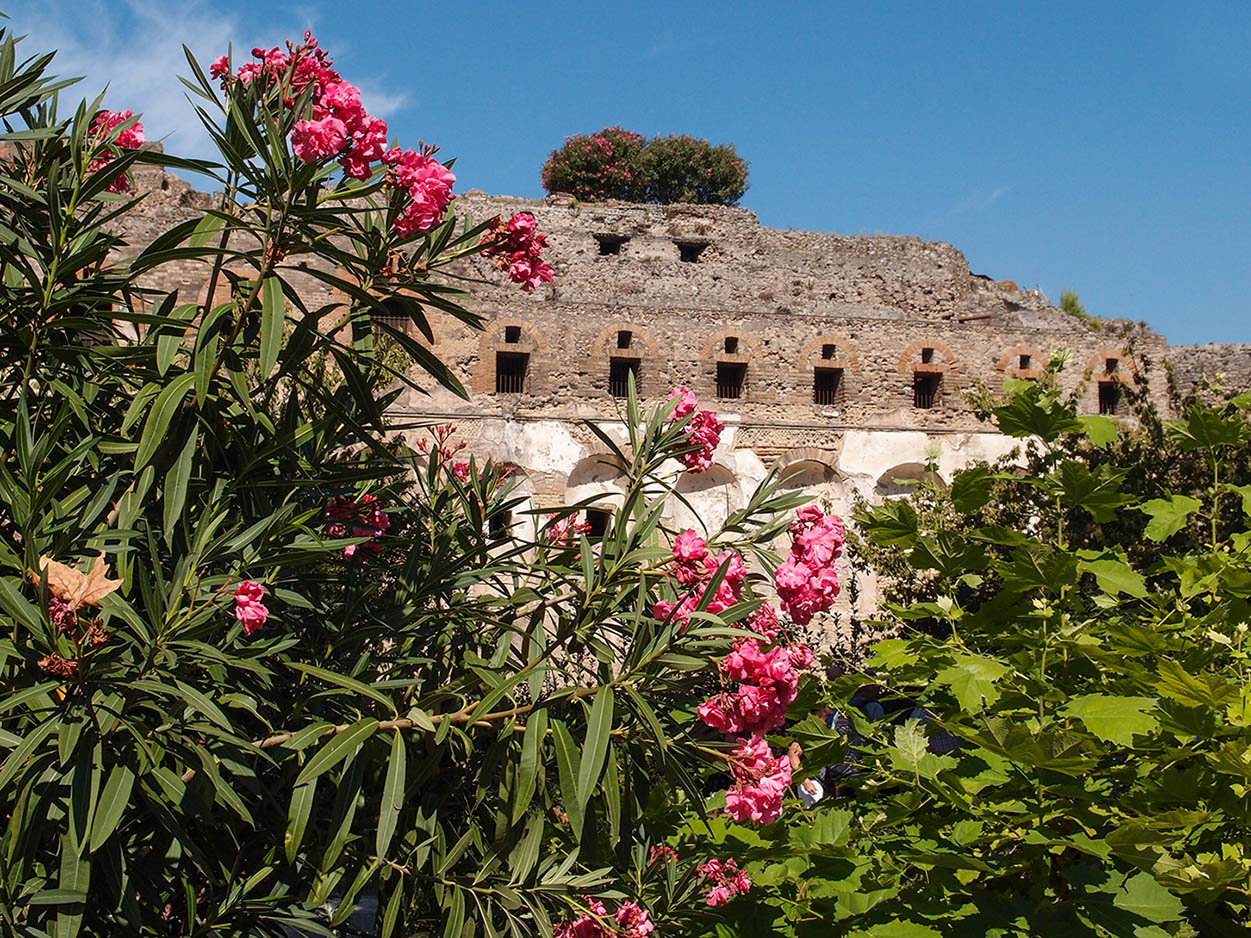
x: 1068, y: 752
x: 477, y: 730
x: 621, y: 164
x: 598, y: 166
x: 683, y: 169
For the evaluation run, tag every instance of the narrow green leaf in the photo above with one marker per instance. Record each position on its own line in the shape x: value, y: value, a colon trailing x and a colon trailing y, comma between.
x: 114, y: 799
x: 339, y: 748
x: 595, y: 747
x: 273, y: 318
x: 302, y: 798
x: 528, y: 767
x: 392, y: 794
x: 567, y: 765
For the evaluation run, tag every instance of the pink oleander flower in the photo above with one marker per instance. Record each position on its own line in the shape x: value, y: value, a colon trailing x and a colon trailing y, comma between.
x: 429, y: 186
x: 633, y: 920
x: 220, y: 67
x: 349, y: 517
x: 566, y: 531
x: 662, y: 853
x: 249, y: 609
x: 764, y: 622
x: 461, y: 471
x: 317, y: 140
x: 727, y: 881
x: 585, y: 926
x: 807, y: 581
x: 517, y: 247
x: 760, y: 783
x: 687, y: 402
x: 129, y: 139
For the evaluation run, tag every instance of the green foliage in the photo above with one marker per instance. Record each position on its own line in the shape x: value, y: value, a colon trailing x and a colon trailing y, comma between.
x: 476, y: 729
x: 620, y: 164
x: 683, y: 169
x: 1098, y: 685
x: 1072, y: 305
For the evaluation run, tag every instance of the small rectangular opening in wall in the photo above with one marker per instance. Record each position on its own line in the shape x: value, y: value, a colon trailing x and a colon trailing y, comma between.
x: 827, y: 386
x: 1023, y: 363
x: 501, y: 523
x: 610, y: 244
x: 510, y: 372
x: 690, y: 251
x: 597, y: 521
x: 1109, y: 397
x: 731, y: 377
x: 731, y: 344
x: 512, y: 334
x: 829, y: 352
x: 619, y: 371
x: 927, y: 390
x: 927, y: 356
x: 1111, y: 366
x: 624, y: 338
x: 392, y: 314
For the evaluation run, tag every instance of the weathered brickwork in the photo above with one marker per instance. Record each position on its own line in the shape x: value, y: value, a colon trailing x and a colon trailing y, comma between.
x: 839, y: 360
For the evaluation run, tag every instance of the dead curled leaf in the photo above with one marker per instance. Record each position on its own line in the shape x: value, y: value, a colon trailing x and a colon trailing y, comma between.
x: 73, y: 587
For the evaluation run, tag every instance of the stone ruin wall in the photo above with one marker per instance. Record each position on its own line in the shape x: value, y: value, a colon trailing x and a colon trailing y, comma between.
x: 681, y: 280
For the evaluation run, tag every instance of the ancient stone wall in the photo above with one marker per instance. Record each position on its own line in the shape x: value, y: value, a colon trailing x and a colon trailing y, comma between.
x: 841, y: 361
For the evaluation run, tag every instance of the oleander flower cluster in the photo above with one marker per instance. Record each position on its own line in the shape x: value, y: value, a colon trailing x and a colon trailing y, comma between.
x: 351, y: 517
x: 725, y: 878
x: 339, y: 127
x: 693, y: 567
x: 249, y: 609
x: 807, y: 581
x: 562, y: 532
x: 517, y: 247
x: 761, y: 780
x: 703, y: 431
x: 428, y: 184
x: 105, y: 144
x: 631, y: 921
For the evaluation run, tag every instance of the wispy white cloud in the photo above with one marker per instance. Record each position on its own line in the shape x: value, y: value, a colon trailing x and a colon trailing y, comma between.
x: 134, y: 47
x: 979, y: 200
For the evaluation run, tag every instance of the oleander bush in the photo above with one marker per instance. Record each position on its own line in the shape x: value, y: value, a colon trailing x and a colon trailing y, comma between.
x: 268, y: 659
x: 620, y: 164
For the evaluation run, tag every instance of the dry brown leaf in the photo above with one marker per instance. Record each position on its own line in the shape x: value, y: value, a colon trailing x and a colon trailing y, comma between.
x: 72, y: 586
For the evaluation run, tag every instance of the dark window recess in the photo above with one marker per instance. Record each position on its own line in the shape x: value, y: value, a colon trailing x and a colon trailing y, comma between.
x: 624, y: 338
x: 597, y: 521
x: 927, y: 356
x: 512, y: 334
x: 731, y: 376
x: 690, y: 251
x: 1111, y: 366
x: 827, y: 385
x: 510, y: 372
x: 393, y: 314
x: 926, y: 390
x: 1109, y: 397
x: 1023, y: 363
x: 619, y: 371
x: 829, y: 352
x: 501, y: 524
x: 610, y: 244
x: 731, y: 344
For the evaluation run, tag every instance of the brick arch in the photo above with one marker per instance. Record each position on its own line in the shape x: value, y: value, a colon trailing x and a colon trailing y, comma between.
x: 714, y: 348
x: 1010, y: 360
x: 847, y: 359
x: 482, y: 378
x: 906, y: 363
x: 1098, y: 364
x: 493, y: 338
x: 605, y: 343
x: 808, y: 454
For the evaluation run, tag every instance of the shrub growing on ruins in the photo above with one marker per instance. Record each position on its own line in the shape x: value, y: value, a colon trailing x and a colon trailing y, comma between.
x: 684, y: 169
x: 598, y: 166
x: 621, y: 164
x: 260, y: 656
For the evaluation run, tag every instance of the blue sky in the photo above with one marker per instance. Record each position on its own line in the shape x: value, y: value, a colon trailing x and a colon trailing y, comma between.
x: 1104, y: 147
